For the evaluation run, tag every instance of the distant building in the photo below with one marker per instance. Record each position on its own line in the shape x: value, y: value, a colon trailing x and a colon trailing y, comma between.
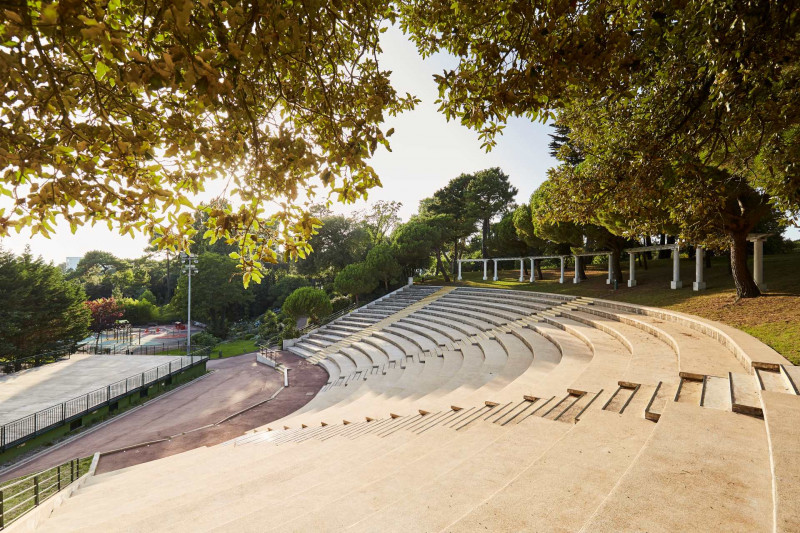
x: 72, y: 263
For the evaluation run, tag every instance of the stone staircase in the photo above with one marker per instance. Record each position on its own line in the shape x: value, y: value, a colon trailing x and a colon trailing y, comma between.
x: 478, y: 409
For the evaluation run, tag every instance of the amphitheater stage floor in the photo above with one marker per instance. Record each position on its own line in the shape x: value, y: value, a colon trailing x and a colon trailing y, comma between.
x: 234, y: 384
x: 32, y: 390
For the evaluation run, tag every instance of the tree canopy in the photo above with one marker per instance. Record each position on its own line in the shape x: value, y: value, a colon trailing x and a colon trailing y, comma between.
x: 686, y: 113
x: 119, y: 112
x: 356, y: 279
x: 309, y: 302
x: 218, y: 298
x: 491, y: 194
x: 384, y: 265
x: 41, y: 310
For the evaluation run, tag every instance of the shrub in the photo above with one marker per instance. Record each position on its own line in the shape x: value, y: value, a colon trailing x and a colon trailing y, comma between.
x: 307, y: 301
x: 204, y: 339
x: 340, y: 302
x: 138, y: 312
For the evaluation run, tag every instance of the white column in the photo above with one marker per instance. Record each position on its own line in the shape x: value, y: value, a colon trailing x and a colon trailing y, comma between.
x: 610, y: 270
x: 410, y: 280
x: 459, y: 270
x: 495, y: 270
x: 758, y: 263
x: 532, y: 265
x: 563, y: 261
x: 484, y: 269
x: 577, y: 278
x: 676, y: 269
x: 521, y: 270
x: 631, y: 269
x: 699, y: 284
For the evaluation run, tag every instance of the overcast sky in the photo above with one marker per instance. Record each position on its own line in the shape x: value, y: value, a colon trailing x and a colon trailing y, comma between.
x: 427, y: 152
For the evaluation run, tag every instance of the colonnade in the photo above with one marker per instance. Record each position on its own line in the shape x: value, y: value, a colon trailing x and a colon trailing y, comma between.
x: 676, y: 283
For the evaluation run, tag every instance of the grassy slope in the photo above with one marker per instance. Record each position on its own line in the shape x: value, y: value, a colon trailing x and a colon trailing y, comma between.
x: 774, y: 318
x: 229, y: 349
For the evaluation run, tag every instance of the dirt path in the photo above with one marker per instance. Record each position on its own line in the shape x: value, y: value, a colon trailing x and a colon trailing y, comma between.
x: 235, y: 384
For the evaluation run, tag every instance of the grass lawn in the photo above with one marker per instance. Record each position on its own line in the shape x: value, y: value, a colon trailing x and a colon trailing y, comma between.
x: 232, y: 348
x: 773, y: 318
x: 228, y: 348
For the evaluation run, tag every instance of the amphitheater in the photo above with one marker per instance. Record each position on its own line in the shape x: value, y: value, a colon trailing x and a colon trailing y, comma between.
x: 466, y: 409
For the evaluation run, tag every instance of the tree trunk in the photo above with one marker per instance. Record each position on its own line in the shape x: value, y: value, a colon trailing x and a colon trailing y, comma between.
x: 168, y: 296
x: 617, y: 265
x: 440, y: 266
x: 663, y: 254
x: 454, y: 262
x: 581, y: 269
x: 539, y: 269
x: 484, y: 241
x: 708, y: 256
x: 742, y: 277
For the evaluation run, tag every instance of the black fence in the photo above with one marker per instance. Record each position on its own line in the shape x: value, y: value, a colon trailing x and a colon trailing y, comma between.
x: 137, y: 349
x: 9, y: 366
x: 30, y: 426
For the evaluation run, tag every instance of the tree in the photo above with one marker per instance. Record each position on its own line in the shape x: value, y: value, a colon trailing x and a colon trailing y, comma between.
x: 148, y: 296
x: 454, y: 201
x: 105, y: 312
x: 139, y: 104
x: 682, y: 110
x: 307, y: 301
x: 415, y: 242
x: 41, y: 310
x: 339, y: 242
x: 138, y: 312
x: 382, y: 262
x: 381, y: 219
x: 218, y: 297
x: 490, y: 194
x: 505, y: 241
x: 284, y: 287
x: 355, y: 279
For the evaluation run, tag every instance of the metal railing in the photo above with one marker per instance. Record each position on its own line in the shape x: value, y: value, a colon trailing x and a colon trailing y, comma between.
x: 132, y: 349
x: 35, y: 424
x: 27, y: 493
x: 21, y: 363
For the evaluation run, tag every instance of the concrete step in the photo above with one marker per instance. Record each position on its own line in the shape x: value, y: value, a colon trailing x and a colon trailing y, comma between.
x: 556, y: 409
x: 573, y: 413
x: 774, y: 380
x: 716, y: 393
x: 689, y: 391
x: 658, y: 401
x: 621, y: 397
x: 745, y: 397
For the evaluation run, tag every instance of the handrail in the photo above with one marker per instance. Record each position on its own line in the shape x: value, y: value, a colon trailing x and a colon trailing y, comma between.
x: 311, y: 326
x: 29, y: 426
x: 13, y: 500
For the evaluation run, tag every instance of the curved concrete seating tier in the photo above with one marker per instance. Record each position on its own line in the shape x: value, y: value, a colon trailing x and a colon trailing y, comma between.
x: 478, y: 409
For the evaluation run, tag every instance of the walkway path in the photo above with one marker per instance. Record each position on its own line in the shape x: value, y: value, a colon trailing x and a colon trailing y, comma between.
x: 235, y: 384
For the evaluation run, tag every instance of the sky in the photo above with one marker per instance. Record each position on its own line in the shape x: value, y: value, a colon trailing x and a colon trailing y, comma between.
x: 427, y: 151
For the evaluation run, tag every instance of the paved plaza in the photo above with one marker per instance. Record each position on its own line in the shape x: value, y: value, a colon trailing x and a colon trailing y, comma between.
x: 38, y: 388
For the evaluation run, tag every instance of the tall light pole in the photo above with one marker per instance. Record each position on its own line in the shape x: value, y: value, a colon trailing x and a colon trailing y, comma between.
x: 189, y: 267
